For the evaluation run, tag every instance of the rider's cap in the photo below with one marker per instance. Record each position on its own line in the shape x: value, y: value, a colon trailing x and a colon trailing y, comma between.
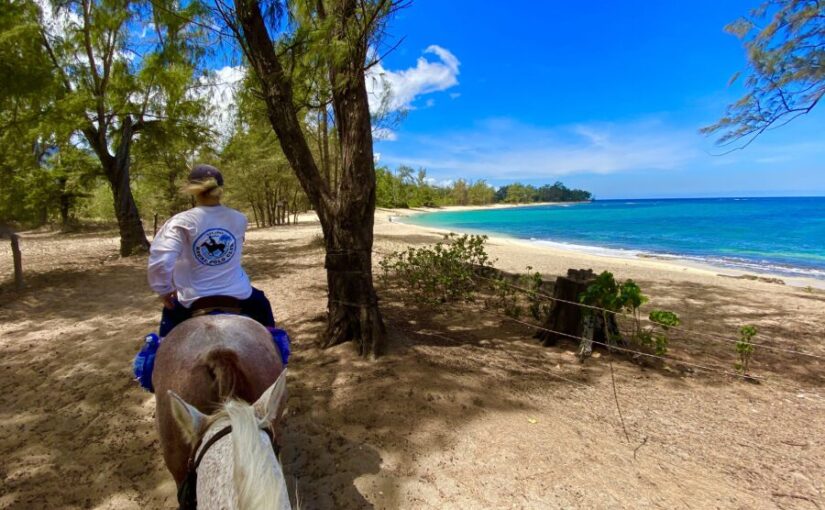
x: 202, y: 172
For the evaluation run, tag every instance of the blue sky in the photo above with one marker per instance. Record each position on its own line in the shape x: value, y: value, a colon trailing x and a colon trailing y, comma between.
x: 604, y: 96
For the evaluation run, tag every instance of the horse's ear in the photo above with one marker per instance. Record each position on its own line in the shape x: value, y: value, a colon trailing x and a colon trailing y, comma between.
x: 188, y: 418
x: 268, y: 407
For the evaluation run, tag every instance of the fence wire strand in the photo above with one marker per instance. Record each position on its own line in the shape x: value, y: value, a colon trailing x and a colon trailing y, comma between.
x: 711, y: 336
x: 547, y: 297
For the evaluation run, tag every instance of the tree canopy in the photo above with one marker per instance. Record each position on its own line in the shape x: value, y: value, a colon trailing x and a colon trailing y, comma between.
x: 785, y: 75
x: 406, y: 187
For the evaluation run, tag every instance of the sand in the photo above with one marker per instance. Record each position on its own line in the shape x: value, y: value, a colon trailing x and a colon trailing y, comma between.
x: 465, y: 410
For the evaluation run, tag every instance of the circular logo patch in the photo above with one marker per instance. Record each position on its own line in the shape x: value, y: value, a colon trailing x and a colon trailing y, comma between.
x: 214, y: 247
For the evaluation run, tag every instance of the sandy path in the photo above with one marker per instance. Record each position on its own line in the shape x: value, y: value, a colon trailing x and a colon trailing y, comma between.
x: 465, y: 411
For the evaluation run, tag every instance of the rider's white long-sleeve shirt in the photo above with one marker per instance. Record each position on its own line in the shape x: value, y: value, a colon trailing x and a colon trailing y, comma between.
x: 198, y: 253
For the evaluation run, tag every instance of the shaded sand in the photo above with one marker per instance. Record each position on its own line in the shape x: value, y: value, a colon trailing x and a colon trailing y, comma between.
x: 464, y: 411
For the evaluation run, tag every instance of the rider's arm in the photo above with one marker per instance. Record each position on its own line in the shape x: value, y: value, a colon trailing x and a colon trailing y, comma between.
x: 164, y: 252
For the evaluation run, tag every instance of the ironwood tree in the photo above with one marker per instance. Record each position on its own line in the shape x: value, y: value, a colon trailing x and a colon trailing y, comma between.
x: 26, y: 95
x: 785, y: 77
x: 116, y: 83
x: 332, y: 38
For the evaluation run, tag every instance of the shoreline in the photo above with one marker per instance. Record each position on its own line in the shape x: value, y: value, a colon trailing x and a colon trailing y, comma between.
x: 606, y: 255
x: 412, y: 211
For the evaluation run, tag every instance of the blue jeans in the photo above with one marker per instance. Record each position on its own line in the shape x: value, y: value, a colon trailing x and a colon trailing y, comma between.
x: 255, y: 307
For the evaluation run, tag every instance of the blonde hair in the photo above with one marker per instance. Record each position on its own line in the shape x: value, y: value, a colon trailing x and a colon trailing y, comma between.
x: 205, y: 188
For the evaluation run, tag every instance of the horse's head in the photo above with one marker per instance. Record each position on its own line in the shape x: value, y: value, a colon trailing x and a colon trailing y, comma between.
x: 232, y: 462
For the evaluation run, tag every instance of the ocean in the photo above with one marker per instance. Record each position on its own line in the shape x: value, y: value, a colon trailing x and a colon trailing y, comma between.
x: 771, y: 235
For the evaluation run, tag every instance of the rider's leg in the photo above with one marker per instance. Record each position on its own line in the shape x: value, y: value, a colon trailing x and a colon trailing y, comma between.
x: 171, y: 317
x: 257, y: 307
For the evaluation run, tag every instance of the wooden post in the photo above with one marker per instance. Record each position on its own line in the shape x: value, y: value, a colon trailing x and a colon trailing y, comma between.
x: 15, y: 254
x: 18, y: 261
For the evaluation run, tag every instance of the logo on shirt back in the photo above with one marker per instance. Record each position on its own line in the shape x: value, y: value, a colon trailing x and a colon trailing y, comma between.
x: 214, y: 247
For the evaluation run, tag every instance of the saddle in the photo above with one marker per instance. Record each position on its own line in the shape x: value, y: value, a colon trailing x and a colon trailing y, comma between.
x: 214, y: 305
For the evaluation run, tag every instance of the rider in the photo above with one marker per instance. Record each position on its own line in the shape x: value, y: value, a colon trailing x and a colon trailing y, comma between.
x: 195, y: 259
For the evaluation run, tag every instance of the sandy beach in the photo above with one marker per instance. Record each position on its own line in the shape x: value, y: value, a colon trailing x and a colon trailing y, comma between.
x: 636, y: 264
x: 465, y: 410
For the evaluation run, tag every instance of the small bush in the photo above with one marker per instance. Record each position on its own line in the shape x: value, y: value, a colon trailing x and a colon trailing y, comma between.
x: 442, y: 272
x: 745, y: 348
x: 655, y: 337
x: 538, y: 306
x: 505, y: 297
x: 605, y: 292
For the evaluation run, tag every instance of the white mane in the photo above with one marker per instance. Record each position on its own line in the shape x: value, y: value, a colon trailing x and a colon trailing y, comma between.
x: 259, y: 480
x: 240, y: 470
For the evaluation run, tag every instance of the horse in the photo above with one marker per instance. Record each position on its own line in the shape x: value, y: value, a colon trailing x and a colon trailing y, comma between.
x: 206, y: 371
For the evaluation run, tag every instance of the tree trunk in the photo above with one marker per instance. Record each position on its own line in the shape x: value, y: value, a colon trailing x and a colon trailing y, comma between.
x: 352, y: 302
x: 132, y: 236
x: 325, y: 146
x: 255, y: 214
x: 346, y: 216
x: 65, y: 203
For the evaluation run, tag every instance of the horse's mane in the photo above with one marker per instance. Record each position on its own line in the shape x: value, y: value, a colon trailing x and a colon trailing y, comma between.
x: 258, y: 477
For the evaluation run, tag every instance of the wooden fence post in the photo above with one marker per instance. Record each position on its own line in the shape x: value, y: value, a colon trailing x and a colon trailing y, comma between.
x: 15, y: 254
x: 18, y: 261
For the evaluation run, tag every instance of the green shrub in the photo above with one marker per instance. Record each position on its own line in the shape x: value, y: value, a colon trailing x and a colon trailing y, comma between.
x: 745, y: 348
x: 538, y: 306
x: 442, y: 272
x: 606, y: 293
x: 655, y: 336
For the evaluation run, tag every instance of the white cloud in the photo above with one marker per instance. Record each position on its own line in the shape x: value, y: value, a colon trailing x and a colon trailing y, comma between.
x: 57, y: 22
x: 455, y: 95
x: 503, y: 148
x: 384, y: 134
x: 396, y: 90
x: 148, y: 27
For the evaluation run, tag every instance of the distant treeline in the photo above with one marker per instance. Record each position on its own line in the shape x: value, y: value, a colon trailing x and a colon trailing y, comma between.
x: 406, y: 187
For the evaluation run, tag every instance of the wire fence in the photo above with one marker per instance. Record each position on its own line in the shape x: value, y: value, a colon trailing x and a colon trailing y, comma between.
x: 714, y: 337
x: 638, y: 434
x: 682, y: 329
x: 667, y: 359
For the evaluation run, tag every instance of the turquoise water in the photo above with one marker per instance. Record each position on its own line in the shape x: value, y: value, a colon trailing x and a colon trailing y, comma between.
x: 777, y: 235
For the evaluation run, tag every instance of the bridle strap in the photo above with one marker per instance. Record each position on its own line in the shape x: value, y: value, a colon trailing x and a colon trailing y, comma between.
x: 212, y: 440
x: 188, y: 492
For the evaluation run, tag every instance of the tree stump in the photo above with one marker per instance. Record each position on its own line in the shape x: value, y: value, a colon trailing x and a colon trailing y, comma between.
x: 565, y: 318
x: 570, y: 321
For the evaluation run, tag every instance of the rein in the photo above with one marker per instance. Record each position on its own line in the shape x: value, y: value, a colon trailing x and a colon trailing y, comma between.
x: 188, y: 492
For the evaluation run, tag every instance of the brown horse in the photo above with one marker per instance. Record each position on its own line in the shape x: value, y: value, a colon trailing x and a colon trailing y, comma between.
x: 205, y: 372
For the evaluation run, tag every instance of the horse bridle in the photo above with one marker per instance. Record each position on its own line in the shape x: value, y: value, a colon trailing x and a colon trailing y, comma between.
x: 188, y: 491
